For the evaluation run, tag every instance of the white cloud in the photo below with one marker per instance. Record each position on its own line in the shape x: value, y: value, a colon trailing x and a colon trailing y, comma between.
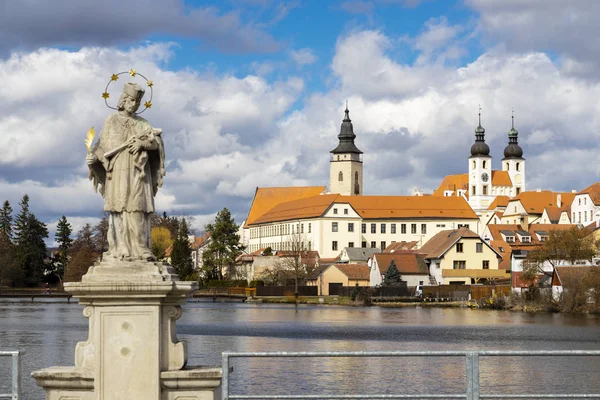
x: 303, y: 56
x: 567, y: 28
x: 225, y: 135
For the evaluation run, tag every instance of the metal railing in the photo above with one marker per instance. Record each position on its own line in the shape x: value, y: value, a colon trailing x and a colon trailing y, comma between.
x: 473, y: 389
x: 16, y: 375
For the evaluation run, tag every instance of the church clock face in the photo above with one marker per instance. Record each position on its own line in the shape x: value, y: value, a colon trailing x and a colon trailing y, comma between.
x: 485, y: 177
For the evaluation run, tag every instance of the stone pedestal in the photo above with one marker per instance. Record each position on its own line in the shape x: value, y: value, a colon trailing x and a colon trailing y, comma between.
x: 132, y: 351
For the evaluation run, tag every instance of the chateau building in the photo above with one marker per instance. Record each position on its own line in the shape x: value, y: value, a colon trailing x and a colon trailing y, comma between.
x: 344, y: 217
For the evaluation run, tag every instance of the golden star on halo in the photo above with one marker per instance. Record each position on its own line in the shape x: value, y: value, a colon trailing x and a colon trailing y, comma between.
x: 105, y: 95
x: 114, y: 77
x: 150, y: 84
x: 132, y: 72
x: 148, y: 104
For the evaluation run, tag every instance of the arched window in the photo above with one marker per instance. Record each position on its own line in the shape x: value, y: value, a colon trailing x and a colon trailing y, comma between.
x: 508, y: 166
x: 340, y: 176
x: 356, y: 185
x: 483, y: 165
x: 517, y: 166
x: 474, y: 164
x: 356, y: 177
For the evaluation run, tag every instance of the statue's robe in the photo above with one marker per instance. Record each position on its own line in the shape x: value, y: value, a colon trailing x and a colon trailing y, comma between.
x: 128, y: 182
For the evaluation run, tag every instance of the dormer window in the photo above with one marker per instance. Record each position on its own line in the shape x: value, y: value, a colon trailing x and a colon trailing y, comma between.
x: 526, y: 239
x: 510, y: 239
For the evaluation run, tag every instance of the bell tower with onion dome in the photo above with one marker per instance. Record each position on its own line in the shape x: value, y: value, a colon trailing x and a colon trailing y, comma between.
x: 480, y: 172
x: 513, y: 161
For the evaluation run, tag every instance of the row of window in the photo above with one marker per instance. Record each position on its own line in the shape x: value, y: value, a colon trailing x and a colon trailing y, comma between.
x: 584, y: 216
x: 462, y: 264
x: 382, y: 245
x: 278, y: 246
x: 279, y: 230
x: 484, y: 165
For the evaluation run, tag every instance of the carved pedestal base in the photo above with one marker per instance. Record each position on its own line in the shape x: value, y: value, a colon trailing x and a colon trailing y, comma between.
x: 132, y: 351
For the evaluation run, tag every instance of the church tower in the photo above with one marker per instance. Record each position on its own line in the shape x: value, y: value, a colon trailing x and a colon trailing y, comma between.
x: 345, y: 165
x: 480, y: 172
x: 513, y: 161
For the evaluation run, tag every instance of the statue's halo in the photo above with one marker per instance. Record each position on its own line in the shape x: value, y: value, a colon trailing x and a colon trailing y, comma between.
x: 131, y: 72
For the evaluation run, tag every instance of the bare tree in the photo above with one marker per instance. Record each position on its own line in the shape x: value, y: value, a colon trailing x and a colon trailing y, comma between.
x: 298, y: 260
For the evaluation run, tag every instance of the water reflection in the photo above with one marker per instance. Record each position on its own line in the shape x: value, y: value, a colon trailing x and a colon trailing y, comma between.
x: 49, y: 332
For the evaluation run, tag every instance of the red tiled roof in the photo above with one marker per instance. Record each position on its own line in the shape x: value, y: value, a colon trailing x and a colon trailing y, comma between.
x: 372, y: 207
x: 443, y: 240
x: 403, y: 245
x: 407, y: 262
x: 267, y: 198
x: 594, y: 191
x: 354, y: 271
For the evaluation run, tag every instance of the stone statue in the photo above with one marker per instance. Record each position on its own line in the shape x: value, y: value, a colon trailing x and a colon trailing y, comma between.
x: 127, y: 167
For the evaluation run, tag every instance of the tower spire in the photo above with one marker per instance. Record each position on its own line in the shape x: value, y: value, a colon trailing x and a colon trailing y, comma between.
x: 346, y: 136
x: 480, y: 115
x: 513, y: 118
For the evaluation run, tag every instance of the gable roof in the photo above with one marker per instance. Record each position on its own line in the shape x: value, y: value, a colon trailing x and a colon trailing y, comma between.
x: 499, y: 202
x: 501, y: 178
x: 408, y: 262
x: 554, y: 213
x: 594, y: 191
x: 454, y: 183
x: 372, y: 207
x: 437, y: 246
x: 361, y: 253
x: 200, y: 241
x: 461, y: 182
x: 534, y: 202
x: 354, y: 271
x: 267, y: 198
x: 504, y: 250
x: 496, y: 231
x: 403, y: 245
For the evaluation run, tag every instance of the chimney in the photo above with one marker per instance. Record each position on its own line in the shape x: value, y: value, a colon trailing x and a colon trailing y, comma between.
x: 558, y: 200
x: 524, y: 225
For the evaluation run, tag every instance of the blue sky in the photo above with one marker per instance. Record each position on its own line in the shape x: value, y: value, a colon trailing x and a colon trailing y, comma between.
x: 250, y: 93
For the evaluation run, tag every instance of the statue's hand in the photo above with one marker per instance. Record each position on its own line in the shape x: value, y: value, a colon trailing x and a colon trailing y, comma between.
x: 91, y: 159
x: 135, y: 146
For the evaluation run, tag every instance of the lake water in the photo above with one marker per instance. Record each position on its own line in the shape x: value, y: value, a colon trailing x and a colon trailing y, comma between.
x: 48, y: 333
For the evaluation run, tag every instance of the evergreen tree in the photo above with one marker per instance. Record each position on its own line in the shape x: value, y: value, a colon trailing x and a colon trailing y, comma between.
x: 392, y: 276
x: 181, y: 253
x: 30, y: 248
x: 224, y: 246
x: 10, y: 274
x: 6, y: 220
x: 64, y: 240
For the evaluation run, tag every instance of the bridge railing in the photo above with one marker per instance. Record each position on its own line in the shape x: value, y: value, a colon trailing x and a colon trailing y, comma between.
x: 16, y: 375
x: 472, y: 392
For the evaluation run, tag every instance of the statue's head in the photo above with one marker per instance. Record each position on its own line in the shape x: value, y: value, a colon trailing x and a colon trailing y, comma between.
x: 131, y: 98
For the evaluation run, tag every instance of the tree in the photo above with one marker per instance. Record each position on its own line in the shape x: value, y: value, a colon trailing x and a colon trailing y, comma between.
x: 295, y: 261
x: 100, y: 237
x: 6, y: 220
x: 224, y: 246
x: 171, y: 223
x: 392, y: 276
x: 561, y: 248
x: 181, y: 253
x: 161, y: 240
x: 64, y: 240
x: 10, y: 274
x: 83, y: 254
x: 30, y: 248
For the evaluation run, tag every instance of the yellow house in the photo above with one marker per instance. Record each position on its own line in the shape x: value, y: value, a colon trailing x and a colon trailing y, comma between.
x: 331, y: 278
x: 461, y: 256
x: 528, y: 207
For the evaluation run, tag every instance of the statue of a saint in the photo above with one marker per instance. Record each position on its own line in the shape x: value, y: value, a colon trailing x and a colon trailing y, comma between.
x: 127, y: 167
